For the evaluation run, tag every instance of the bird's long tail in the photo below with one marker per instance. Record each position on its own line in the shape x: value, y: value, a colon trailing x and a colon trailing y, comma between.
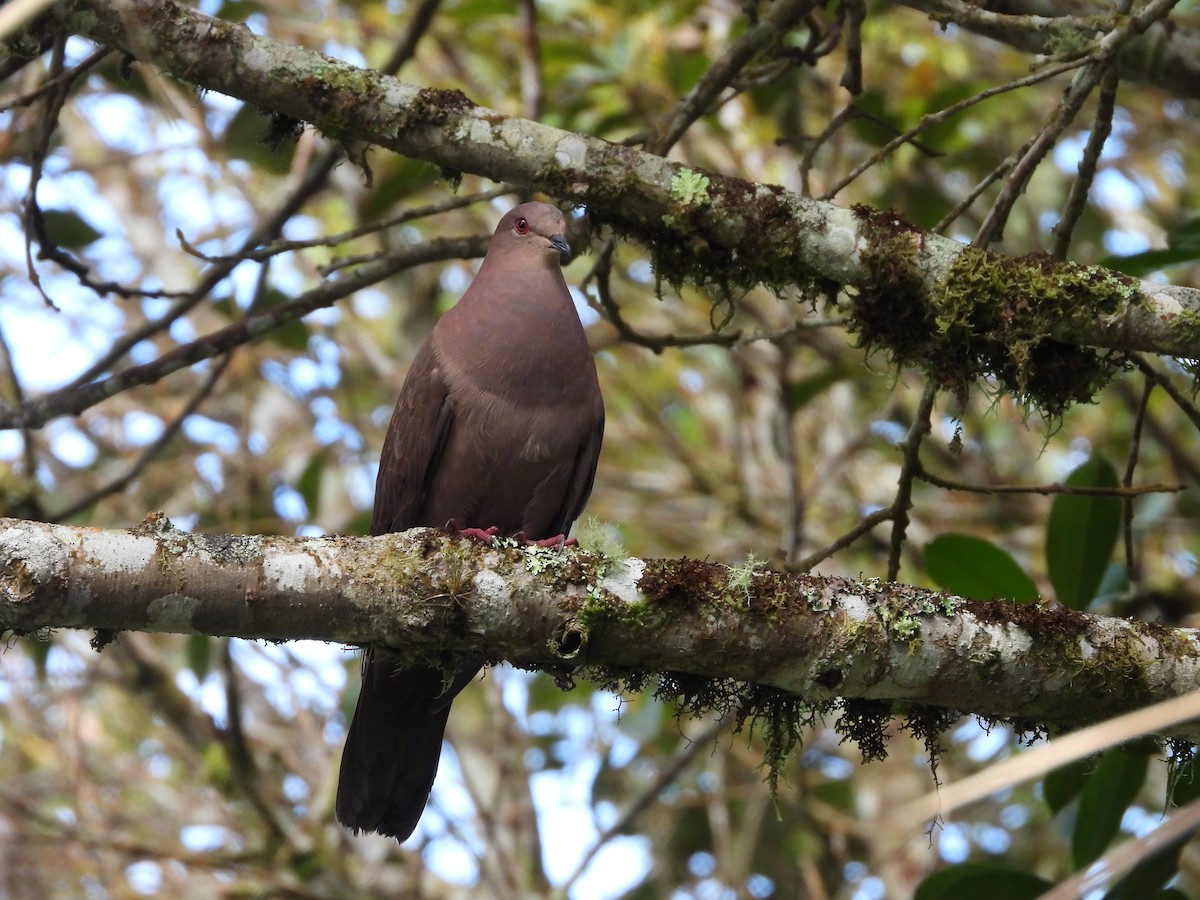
x: 394, y: 744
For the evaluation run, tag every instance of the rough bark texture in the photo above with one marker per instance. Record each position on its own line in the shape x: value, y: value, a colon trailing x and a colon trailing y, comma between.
x: 430, y: 595
x: 702, y: 226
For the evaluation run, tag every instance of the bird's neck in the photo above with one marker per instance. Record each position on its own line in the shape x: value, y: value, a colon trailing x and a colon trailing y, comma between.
x: 526, y: 339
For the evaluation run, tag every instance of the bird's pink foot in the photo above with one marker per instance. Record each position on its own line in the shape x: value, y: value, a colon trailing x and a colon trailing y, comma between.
x: 558, y: 542
x: 483, y: 535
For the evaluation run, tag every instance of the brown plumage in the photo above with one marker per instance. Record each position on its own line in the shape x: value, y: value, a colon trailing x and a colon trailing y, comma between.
x: 499, y: 424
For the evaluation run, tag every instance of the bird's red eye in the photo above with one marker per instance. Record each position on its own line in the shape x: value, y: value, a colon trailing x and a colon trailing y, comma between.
x: 522, y: 226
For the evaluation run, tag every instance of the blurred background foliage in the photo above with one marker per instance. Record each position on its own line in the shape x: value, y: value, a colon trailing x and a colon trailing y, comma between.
x: 202, y: 767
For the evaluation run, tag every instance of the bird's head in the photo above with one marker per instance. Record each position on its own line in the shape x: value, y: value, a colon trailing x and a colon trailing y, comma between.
x: 536, y: 229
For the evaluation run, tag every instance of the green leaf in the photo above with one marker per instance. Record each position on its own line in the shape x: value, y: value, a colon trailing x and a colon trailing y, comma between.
x: 977, y: 569
x: 799, y: 393
x: 1183, y: 246
x: 69, y: 229
x: 309, y: 482
x: 1103, y: 801
x: 39, y: 651
x: 1063, y: 785
x: 1151, y: 875
x: 1081, y: 533
x: 249, y: 137
x: 199, y: 655
x: 291, y: 335
x: 981, y: 881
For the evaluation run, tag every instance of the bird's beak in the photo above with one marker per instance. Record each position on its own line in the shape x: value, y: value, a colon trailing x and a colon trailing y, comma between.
x: 560, y: 244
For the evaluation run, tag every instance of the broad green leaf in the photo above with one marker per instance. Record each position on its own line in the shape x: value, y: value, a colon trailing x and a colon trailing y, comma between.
x: 981, y: 881
x: 69, y: 229
x: 975, y: 568
x: 1081, y: 533
x: 1102, y: 803
x: 1063, y: 785
x: 309, y: 482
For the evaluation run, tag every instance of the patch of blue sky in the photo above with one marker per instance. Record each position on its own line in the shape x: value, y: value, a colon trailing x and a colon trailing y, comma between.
x: 120, y: 121
x: 201, y: 429
x: 568, y: 831
x: 371, y: 303
x: 360, y: 484
x: 144, y: 876
x: 1116, y: 190
x: 991, y: 838
x: 619, y: 866
x: 204, y: 838
x: 12, y: 445
x: 69, y: 444
x: 953, y: 845
x: 289, y: 504
x: 209, y: 692
x: 211, y: 471
x: 983, y: 744
x: 1120, y: 242
x: 345, y: 53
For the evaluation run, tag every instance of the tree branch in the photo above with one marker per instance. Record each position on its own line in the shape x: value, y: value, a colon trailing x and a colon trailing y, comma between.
x: 436, y: 596
x: 708, y: 228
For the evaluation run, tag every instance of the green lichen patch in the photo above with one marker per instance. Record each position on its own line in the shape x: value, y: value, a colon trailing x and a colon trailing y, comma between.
x: 993, y: 317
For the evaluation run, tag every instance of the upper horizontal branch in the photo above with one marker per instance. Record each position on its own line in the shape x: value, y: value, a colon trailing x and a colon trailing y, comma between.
x: 428, y: 595
x: 1166, y: 55
x: 711, y: 227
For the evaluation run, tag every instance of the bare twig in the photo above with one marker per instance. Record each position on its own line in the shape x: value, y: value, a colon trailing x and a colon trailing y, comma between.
x: 1101, y: 129
x: 74, y: 400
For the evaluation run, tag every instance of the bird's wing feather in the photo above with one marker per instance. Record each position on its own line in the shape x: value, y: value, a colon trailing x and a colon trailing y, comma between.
x: 413, y: 446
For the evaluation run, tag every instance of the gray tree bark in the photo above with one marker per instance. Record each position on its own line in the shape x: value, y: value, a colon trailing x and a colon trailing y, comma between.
x: 427, y: 595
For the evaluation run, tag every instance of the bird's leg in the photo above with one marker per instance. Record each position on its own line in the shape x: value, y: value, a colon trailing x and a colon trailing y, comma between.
x: 558, y: 542
x: 483, y: 535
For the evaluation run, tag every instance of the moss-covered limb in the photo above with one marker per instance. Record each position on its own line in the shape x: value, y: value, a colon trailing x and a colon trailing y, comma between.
x: 700, y: 631
x: 701, y: 227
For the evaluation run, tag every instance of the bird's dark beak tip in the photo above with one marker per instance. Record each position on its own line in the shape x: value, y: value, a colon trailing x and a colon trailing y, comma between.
x: 561, y: 245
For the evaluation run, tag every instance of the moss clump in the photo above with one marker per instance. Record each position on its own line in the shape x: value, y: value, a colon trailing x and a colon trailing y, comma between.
x: 684, y: 582
x: 994, y: 316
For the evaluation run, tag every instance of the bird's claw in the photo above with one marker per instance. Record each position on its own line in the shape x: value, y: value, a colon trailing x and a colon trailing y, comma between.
x: 483, y: 535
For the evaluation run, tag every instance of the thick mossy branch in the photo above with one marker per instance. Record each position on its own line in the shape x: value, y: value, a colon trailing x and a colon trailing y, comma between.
x: 701, y: 227
x: 991, y: 316
x: 770, y: 649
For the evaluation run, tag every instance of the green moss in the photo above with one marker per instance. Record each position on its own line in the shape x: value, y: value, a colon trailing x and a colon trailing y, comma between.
x: 1184, y: 327
x: 993, y: 317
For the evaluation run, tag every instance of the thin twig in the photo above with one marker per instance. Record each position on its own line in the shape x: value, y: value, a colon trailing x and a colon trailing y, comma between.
x: 769, y: 29
x: 275, y: 248
x: 1064, y: 228
x: 1186, y: 406
x: 1135, y: 444
x: 1046, y: 490
x: 867, y: 523
x: 934, y: 118
x: 909, y: 469
x: 51, y: 84
x: 649, y: 794
x: 74, y: 400
x: 118, y: 484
